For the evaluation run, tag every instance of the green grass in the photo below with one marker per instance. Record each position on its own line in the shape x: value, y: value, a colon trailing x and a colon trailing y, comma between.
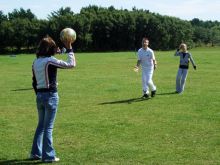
x: 101, y: 119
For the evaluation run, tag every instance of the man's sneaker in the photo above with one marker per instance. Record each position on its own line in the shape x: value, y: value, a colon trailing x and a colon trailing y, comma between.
x: 51, y: 160
x: 145, y: 96
x: 34, y: 157
x: 153, y: 93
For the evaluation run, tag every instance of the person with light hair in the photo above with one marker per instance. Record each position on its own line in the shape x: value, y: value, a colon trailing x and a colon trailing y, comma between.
x: 185, y: 57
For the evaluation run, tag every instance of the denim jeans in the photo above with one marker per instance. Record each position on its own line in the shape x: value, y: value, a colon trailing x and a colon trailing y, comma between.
x: 42, y: 147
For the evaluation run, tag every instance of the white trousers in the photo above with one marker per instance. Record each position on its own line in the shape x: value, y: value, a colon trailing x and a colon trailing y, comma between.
x: 147, y: 82
x: 181, y: 79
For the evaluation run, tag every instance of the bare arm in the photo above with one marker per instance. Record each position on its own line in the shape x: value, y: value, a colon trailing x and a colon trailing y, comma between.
x: 155, y: 64
x: 136, y: 68
x: 138, y: 63
x: 68, y: 44
x: 154, y: 61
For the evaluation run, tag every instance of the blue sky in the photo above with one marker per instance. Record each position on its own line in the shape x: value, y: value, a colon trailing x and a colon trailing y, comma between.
x: 184, y: 9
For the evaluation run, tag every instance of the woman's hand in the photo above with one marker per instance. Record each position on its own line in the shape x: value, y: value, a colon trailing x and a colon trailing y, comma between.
x: 68, y: 44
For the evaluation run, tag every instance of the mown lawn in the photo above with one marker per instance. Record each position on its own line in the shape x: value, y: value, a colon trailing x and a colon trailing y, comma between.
x: 101, y: 118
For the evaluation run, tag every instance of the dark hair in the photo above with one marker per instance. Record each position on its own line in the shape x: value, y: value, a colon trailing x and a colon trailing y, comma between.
x: 47, y: 47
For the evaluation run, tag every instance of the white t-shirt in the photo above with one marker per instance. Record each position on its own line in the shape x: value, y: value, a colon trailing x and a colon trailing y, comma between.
x: 146, y: 57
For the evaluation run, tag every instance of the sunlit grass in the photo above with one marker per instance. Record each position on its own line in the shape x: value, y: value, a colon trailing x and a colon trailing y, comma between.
x: 101, y: 118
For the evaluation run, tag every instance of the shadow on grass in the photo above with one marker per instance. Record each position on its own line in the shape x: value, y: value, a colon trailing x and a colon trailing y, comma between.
x: 128, y: 101
x: 17, y: 161
x: 168, y: 93
x: 22, y: 89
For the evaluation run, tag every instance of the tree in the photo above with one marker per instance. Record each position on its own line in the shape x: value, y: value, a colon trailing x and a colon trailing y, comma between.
x: 2, y: 17
x: 201, y: 35
x: 105, y: 29
x: 61, y: 12
x: 24, y: 29
x: 22, y: 14
x: 215, y: 35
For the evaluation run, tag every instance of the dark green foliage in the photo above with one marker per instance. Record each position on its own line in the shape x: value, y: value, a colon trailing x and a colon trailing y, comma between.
x: 105, y: 29
x: 206, y: 32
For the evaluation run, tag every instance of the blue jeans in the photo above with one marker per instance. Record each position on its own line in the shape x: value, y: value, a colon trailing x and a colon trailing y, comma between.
x: 42, y: 147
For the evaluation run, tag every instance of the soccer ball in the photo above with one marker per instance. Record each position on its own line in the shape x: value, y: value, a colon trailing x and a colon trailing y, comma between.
x: 68, y: 34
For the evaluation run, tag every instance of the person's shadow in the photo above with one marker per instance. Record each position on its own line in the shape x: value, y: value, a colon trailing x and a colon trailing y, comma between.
x: 126, y: 101
x: 138, y: 99
x: 167, y: 93
x: 17, y: 161
x: 22, y: 89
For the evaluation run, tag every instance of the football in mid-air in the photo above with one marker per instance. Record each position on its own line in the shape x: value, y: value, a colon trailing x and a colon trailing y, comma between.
x: 68, y: 34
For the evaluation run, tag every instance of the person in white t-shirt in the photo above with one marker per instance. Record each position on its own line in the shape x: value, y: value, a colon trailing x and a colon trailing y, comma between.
x: 148, y: 64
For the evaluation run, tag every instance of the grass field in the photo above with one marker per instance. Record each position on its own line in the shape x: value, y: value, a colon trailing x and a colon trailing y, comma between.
x: 101, y: 119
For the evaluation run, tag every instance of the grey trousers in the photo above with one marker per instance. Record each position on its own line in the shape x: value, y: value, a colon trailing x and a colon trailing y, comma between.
x: 181, y: 79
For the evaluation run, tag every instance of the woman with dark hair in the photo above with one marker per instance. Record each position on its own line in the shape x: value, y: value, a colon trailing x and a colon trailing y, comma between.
x: 45, y: 85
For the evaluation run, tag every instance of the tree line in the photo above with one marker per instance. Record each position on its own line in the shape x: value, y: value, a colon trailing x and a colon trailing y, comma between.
x: 105, y: 29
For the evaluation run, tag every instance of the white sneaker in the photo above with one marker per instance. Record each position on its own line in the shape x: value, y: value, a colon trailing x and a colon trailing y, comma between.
x: 51, y: 160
